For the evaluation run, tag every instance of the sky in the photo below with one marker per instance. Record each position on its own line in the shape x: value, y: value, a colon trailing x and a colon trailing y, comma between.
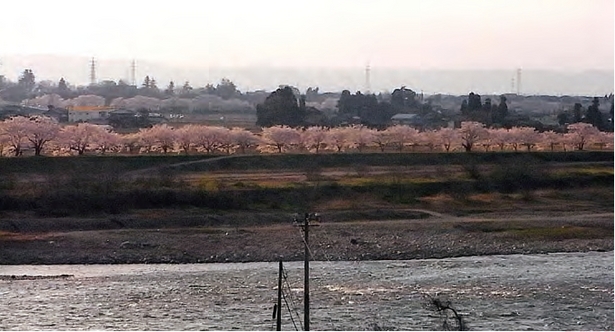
x: 571, y: 35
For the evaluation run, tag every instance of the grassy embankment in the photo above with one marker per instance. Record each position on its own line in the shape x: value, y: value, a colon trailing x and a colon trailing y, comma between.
x: 85, y: 186
x: 491, y: 203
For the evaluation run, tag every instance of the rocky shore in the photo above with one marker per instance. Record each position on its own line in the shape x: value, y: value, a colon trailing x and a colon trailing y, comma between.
x: 433, y: 237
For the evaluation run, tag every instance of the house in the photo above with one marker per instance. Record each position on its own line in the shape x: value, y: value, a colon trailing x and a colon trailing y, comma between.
x: 88, y: 113
x: 59, y: 114
x: 8, y: 111
x: 11, y: 110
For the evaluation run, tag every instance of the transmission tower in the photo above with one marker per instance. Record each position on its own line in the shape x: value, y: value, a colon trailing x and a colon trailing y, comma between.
x: 367, y: 79
x: 93, y: 71
x: 518, y: 81
x: 133, y: 72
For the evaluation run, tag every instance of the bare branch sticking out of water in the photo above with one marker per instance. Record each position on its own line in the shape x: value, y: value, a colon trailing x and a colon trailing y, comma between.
x: 451, y: 320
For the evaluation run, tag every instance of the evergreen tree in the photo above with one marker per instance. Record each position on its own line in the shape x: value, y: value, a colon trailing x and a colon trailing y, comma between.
x: 226, y: 89
x: 146, y: 82
x: 63, y: 89
x: 577, y: 113
x: 474, y: 102
x: 280, y: 108
x: 594, y: 116
x: 501, y: 112
x: 27, y: 80
x: 170, y: 90
x: 464, y: 108
x: 153, y: 84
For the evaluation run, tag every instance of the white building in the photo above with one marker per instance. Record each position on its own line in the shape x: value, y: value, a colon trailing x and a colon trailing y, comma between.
x: 88, y: 113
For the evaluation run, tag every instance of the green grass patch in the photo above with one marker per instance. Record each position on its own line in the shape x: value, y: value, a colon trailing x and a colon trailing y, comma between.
x: 94, y: 164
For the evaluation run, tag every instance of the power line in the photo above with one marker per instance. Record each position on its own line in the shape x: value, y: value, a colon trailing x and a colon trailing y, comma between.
x: 292, y: 300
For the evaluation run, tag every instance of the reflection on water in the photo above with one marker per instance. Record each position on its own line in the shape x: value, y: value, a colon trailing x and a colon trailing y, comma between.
x: 516, y: 292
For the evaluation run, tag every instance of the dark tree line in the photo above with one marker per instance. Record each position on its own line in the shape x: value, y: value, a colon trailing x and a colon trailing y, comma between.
x: 592, y: 115
x: 473, y: 109
x: 26, y: 87
x: 282, y: 107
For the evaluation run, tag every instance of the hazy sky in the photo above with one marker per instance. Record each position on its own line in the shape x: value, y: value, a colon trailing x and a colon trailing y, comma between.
x: 426, y: 34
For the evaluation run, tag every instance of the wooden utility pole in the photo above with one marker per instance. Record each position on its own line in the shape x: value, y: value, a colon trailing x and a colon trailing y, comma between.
x: 306, y: 266
x: 279, y: 304
x: 306, y: 282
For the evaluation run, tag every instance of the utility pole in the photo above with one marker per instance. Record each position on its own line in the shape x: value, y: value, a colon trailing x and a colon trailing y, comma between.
x: 306, y: 266
x: 279, y: 304
x: 306, y: 281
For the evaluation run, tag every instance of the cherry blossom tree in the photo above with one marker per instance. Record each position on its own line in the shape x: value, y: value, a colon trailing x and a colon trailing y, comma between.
x: 45, y: 100
x: 339, y: 139
x: 279, y: 138
x: 39, y: 131
x: 80, y: 137
x: 470, y: 133
x: 160, y: 137
x: 486, y: 142
x: 210, y: 138
x: 84, y: 100
x: 580, y: 134
x: 428, y: 138
x: 361, y: 136
x: 604, y: 139
x: 106, y: 140
x: 244, y: 139
x: 551, y: 139
x: 136, y: 103
x: 4, y: 140
x: 382, y: 139
x: 213, y: 102
x: 15, y: 133
x: 131, y: 142
x: 314, y: 138
x: 448, y: 137
x: 526, y: 136
x: 402, y: 135
x: 186, y: 137
x: 175, y: 103
x: 227, y: 143
x: 146, y: 141
x: 500, y: 137
x: 329, y: 104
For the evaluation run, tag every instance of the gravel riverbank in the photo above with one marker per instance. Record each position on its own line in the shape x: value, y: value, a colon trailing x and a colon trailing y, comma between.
x: 425, y: 237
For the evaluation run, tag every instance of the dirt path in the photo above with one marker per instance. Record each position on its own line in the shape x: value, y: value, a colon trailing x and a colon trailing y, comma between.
x: 144, y: 171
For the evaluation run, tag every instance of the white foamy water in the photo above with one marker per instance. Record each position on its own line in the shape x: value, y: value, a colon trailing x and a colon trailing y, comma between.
x: 568, y: 291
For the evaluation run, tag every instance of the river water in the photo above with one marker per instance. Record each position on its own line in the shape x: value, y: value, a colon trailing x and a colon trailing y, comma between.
x: 565, y: 291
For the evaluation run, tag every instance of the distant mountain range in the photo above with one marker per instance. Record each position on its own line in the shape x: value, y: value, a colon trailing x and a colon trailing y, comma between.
x: 76, y: 71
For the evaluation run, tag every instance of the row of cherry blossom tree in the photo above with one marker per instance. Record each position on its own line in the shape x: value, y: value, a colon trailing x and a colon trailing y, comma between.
x: 42, y: 134
x: 144, y: 102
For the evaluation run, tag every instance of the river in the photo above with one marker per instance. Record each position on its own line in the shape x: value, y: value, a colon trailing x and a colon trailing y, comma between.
x: 564, y: 291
